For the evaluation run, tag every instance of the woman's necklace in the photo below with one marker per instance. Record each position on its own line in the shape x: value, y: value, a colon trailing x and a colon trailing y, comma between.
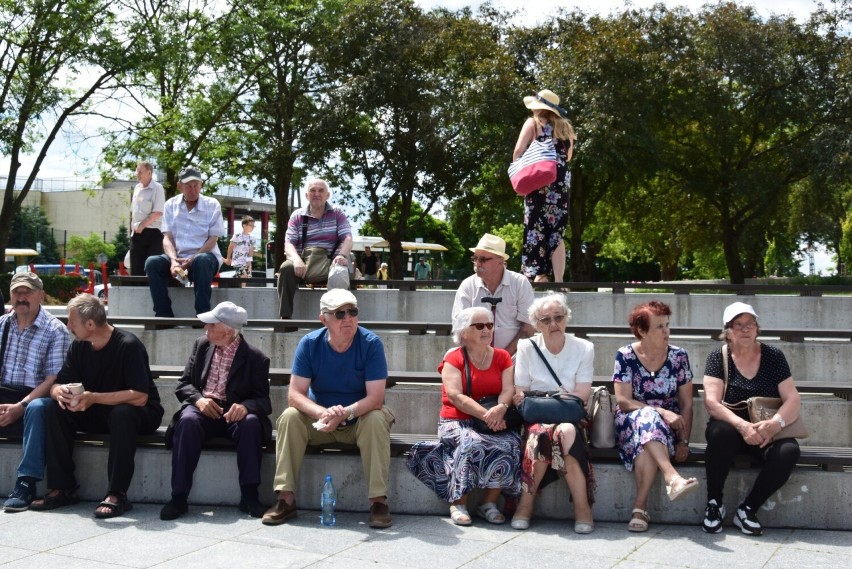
x: 482, y: 359
x: 654, y: 361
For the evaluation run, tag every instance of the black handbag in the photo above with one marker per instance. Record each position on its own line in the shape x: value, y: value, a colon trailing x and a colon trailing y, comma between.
x: 551, y: 406
x: 512, y: 417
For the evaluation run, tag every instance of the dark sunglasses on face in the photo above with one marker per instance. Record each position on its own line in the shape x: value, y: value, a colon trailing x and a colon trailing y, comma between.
x: 547, y: 319
x: 482, y: 260
x: 481, y: 325
x: 341, y: 314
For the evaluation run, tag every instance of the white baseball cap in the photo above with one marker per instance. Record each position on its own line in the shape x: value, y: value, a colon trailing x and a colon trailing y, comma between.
x: 734, y: 310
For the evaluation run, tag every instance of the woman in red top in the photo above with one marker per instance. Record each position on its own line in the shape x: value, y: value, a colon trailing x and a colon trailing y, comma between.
x: 463, y: 458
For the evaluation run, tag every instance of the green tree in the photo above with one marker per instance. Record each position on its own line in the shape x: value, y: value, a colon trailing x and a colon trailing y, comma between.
x: 56, y: 56
x: 405, y: 89
x: 86, y: 250
x: 121, y: 243
x: 31, y: 226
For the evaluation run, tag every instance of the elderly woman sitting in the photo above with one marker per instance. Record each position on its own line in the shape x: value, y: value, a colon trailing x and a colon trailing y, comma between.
x: 559, y: 445
x: 465, y: 458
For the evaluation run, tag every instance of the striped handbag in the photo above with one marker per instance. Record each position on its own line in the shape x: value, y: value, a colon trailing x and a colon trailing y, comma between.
x: 535, y: 169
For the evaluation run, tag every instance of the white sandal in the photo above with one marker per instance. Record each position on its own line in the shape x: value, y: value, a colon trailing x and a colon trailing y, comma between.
x: 489, y: 511
x: 460, y: 515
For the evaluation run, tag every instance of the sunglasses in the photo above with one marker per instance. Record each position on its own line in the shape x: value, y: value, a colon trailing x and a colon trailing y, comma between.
x: 481, y: 325
x: 341, y: 314
x: 548, y: 319
x: 483, y: 260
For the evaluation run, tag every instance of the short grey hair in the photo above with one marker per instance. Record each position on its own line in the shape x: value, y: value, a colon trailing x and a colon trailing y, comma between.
x: 542, y: 301
x: 89, y: 308
x: 463, y: 319
x: 315, y: 181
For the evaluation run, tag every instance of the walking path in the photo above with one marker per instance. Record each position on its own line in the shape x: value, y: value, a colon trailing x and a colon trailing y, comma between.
x: 222, y: 537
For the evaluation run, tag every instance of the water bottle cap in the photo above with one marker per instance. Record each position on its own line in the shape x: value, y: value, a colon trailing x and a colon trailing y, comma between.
x: 328, y: 476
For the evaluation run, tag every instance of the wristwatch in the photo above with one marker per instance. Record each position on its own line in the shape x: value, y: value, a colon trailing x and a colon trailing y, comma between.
x: 351, y: 413
x: 683, y: 442
x: 780, y: 420
x: 23, y: 403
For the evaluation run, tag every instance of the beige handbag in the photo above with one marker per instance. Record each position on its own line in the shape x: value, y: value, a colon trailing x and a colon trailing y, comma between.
x: 763, y: 408
x: 602, y: 418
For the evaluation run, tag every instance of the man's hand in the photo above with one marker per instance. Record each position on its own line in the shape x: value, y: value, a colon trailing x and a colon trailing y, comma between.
x: 81, y: 402
x: 332, y: 417
x: 9, y: 413
x: 340, y: 260
x: 236, y: 413
x: 209, y: 408
x: 299, y: 266
x: 62, y: 395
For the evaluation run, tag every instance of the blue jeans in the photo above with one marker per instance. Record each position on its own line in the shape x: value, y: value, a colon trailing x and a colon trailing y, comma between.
x: 35, y: 432
x: 158, y: 269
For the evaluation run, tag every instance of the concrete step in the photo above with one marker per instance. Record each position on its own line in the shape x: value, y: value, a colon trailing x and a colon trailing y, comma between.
x: 825, y: 361
x: 416, y: 408
x: 811, y: 498
x: 603, y: 308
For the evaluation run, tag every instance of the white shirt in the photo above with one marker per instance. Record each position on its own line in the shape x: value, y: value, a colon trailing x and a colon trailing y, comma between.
x: 146, y: 200
x: 190, y: 229
x: 574, y: 364
x: 517, y: 294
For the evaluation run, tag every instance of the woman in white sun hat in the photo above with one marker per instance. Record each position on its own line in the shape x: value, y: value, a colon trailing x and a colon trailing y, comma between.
x: 546, y: 210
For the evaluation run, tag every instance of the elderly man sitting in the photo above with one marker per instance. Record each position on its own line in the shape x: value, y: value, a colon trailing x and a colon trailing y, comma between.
x: 225, y: 393
x: 337, y: 394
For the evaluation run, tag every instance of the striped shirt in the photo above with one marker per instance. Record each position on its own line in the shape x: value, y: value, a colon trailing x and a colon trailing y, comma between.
x: 34, y: 353
x: 220, y: 367
x: 191, y: 228
x: 325, y: 232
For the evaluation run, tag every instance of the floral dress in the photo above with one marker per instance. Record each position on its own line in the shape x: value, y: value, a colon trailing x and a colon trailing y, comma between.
x: 658, y: 389
x: 546, y: 214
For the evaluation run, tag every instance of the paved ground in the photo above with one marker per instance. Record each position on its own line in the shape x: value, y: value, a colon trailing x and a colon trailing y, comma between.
x: 213, y: 537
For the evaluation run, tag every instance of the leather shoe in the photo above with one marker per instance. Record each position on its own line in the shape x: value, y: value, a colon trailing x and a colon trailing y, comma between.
x: 380, y: 515
x: 252, y: 507
x: 279, y: 513
x: 173, y: 510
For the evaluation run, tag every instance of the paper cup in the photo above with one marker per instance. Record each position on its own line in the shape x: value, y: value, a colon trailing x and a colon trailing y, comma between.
x: 75, y: 388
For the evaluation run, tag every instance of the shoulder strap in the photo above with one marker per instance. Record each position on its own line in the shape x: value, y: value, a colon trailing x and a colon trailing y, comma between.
x: 3, y: 343
x: 550, y: 369
x: 304, y: 242
x: 469, y: 391
x: 733, y: 406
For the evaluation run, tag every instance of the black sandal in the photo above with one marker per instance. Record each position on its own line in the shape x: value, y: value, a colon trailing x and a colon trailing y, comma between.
x: 60, y: 500
x: 113, y: 509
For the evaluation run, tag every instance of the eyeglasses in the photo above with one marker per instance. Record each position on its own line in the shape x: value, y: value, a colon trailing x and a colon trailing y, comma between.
x: 548, y: 319
x: 341, y: 314
x: 482, y: 260
x: 743, y: 326
x: 481, y: 325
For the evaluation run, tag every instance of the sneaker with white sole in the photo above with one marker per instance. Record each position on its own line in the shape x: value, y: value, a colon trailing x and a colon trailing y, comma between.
x: 21, y: 497
x: 747, y: 521
x: 714, y: 514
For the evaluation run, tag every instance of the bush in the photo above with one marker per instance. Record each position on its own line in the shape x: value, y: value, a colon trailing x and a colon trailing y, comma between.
x: 60, y: 287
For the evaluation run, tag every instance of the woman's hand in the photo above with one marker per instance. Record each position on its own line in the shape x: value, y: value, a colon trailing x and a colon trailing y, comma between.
x: 672, y: 419
x: 767, y: 429
x: 750, y: 434
x: 494, y: 417
x: 681, y: 451
x: 517, y: 398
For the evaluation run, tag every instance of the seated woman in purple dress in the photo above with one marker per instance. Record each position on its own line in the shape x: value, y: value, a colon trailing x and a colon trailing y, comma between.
x: 653, y: 418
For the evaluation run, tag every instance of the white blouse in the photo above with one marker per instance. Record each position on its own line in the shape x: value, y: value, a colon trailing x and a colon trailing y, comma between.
x: 574, y: 364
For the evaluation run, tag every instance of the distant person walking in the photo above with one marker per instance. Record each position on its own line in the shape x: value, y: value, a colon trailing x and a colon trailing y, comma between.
x: 546, y: 210
x: 422, y: 270
x: 146, y: 239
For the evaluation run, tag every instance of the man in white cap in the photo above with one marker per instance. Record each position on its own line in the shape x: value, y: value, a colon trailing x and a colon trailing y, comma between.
x: 192, y: 224
x: 506, y: 293
x: 337, y: 394
x: 34, y: 344
x: 225, y: 393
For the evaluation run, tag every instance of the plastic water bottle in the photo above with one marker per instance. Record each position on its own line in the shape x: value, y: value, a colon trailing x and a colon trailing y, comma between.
x: 327, y: 501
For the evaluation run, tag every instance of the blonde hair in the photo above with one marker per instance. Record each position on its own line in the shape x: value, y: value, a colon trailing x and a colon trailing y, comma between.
x: 562, y: 128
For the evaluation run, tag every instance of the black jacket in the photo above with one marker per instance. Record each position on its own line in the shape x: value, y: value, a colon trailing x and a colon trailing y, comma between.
x: 248, y: 383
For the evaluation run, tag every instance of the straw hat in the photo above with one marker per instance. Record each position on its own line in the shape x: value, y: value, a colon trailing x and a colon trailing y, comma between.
x: 492, y: 244
x: 536, y: 102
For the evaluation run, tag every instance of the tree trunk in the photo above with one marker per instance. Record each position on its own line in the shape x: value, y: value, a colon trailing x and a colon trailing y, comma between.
x: 730, y: 246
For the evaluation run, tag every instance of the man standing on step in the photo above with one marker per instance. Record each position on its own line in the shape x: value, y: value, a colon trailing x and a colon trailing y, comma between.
x: 118, y: 398
x: 34, y: 345
x: 318, y: 235
x: 192, y: 225
x: 225, y: 393
x: 337, y: 394
x: 506, y: 293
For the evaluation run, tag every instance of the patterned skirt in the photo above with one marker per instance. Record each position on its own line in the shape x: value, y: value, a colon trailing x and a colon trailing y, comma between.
x: 543, y: 445
x: 637, y: 428
x: 463, y: 459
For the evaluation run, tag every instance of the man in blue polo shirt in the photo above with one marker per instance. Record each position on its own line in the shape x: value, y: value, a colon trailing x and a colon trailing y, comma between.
x: 337, y: 394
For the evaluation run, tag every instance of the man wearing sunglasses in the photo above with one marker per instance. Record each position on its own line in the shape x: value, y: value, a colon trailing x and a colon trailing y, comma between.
x: 336, y: 395
x: 508, y: 294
